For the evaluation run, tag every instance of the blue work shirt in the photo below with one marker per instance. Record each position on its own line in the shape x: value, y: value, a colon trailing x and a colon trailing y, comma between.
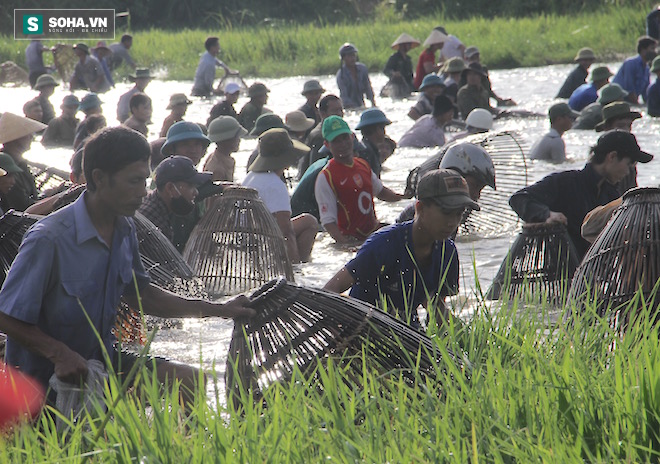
x: 582, y: 97
x: 386, y: 264
x: 634, y: 76
x: 205, y: 74
x: 63, y: 265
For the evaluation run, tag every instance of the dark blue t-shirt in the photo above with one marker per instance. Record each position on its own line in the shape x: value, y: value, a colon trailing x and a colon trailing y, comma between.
x: 386, y: 264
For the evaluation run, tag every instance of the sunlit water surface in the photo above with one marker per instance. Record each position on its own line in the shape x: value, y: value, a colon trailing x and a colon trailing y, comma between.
x: 205, y: 342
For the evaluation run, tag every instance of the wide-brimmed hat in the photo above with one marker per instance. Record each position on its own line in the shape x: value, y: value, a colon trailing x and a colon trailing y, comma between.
x: 13, y: 127
x: 8, y: 164
x: 182, y: 130
x: 81, y: 46
x: 403, y: 39
x: 101, y: 45
x: 334, y: 126
x: 45, y: 80
x: 266, y: 121
x: 471, y: 51
x: 600, y: 73
x: 435, y: 37
x: 610, y: 93
x: 89, y: 101
x: 179, y: 169
x: 312, y: 86
x: 561, y: 109
x: 616, y: 110
x: 224, y: 128
x: 624, y: 143
x: 257, y: 89
x: 454, y: 64
x: 431, y: 80
x: 474, y: 67
x: 296, y: 121
x: 277, y: 151
x: 585, y: 54
x: 70, y: 100
x: 655, y: 64
x: 141, y: 73
x: 446, y: 188
x: 178, y: 99
x: 372, y: 117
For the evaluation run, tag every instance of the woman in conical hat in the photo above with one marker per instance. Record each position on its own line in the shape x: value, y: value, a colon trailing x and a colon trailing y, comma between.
x: 399, y: 68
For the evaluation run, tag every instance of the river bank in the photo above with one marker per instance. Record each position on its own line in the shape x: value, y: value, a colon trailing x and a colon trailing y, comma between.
x: 278, y: 50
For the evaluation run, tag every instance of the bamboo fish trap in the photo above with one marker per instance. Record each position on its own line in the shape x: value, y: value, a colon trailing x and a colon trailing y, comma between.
x: 237, y: 245
x: 47, y: 177
x: 13, y: 225
x: 541, y: 262
x: 496, y: 218
x: 299, y: 326
x: 624, y: 259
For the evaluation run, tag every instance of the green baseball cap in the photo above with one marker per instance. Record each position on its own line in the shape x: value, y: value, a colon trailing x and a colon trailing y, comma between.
x: 333, y: 126
x: 7, y: 164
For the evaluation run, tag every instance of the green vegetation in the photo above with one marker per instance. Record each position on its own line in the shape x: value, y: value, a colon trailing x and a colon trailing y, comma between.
x: 285, y: 50
x: 571, y: 394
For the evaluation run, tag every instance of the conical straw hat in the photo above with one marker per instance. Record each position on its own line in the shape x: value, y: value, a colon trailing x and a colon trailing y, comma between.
x: 435, y: 37
x: 14, y: 127
x: 405, y: 38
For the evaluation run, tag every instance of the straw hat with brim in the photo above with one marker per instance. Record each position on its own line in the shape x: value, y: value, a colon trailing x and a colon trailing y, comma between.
x: 372, y: 117
x: 45, y: 80
x: 178, y: 99
x: 454, y: 65
x: 610, y: 93
x: 655, y: 65
x: 312, y: 86
x: 266, y: 121
x: 405, y: 39
x: 435, y: 37
x: 585, y: 54
x: 182, y: 130
x: 141, y: 73
x: 225, y: 128
x: 431, y: 80
x: 13, y: 127
x: 447, y: 188
x: 471, y: 51
x: 614, y: 111
x: 8, y: 165
x: 474, y: 67
x: 81, y: 46
x: 600, y: 73
x: 296, y: 121
x: 277, y: 151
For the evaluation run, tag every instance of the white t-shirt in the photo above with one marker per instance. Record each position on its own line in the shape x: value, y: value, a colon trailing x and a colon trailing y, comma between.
x: 327, y: 201
x: 452, y: 48
x: 272, y: 190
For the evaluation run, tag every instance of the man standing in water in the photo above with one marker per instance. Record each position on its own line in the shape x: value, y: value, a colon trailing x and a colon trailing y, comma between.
x: 205, y: 74
x: 76, y: 263
x: 585, y: 58
x: 415, y: 262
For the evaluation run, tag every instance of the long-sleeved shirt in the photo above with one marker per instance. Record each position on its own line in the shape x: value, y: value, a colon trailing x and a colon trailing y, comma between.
x: 424, y: 133
x: 119, y: 54
x: 352, y: 92
x: 205, y: 74
x: 402, y: 64
x: 583, y: 96
x: 634, y: 76
x: 572, y: 193
x: 575, y: 79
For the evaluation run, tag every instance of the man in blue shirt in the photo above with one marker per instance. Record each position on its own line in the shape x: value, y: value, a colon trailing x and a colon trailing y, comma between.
x: 205, y: 74
x: 76, y: 264
x: 634, y: 74
x: 586, y: 94
x: 404, y: 265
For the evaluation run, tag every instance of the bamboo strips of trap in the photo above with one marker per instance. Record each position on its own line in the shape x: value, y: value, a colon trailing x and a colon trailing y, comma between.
x: 297, y: 326
x: 237, y: 245
x: 625, y: 257
x: 13, y: 225
x: 541, y: 262
x: 46, y: 177
x: 507, y: 150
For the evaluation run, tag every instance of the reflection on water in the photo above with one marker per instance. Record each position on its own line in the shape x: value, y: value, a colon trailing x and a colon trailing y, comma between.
x: 532, y: 88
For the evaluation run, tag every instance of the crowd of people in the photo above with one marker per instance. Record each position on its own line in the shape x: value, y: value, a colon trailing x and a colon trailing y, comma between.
x: 85, y: 253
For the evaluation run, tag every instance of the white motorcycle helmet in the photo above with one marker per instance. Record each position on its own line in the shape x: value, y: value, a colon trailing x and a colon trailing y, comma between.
x: 470, y: 159
x: 480, y: 118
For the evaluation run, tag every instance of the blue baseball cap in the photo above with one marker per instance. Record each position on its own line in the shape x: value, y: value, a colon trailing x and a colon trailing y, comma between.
x: 179, y: 169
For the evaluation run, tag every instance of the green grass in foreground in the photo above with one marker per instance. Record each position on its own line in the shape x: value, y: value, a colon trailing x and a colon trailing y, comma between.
x: 532, y: 396
x: 283, y: 50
